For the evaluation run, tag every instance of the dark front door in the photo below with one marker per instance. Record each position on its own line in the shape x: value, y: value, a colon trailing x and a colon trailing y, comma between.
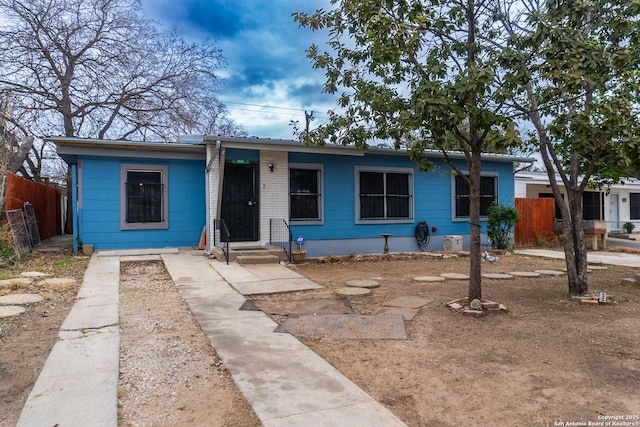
x: 240, y: 201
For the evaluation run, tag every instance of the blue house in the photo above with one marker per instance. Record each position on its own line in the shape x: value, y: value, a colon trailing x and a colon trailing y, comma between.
x: 257, y: 192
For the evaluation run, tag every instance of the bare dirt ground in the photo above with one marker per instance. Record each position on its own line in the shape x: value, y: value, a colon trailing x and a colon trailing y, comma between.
x: 27, y: 339
x: 548, y: 359
x: 169, y: 373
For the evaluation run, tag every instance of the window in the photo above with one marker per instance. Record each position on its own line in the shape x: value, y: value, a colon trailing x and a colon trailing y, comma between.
x: 143, y: 197
x: 305, y: 195
x: 634, y: 206
x: 592, y: 205
x: 384, y: 195
x: 462, y: 195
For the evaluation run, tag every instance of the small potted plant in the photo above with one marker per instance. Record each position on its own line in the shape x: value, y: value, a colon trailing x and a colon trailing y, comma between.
x: 629, y: 226
x: 299, y: 255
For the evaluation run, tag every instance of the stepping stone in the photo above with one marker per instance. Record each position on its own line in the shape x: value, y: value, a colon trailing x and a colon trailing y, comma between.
x: 497, y: 276
x: 426, y: 279
x: 20, y: 299
x: 10, y: 310
x: 363, y: 283
x: 58, y: 281
x: 455, y: 276
x: 407, y: 313
x: 407, y: 302
x: 550, y: 272
x: 524, y: 274
x: 352, y: 292
x: 21, y: 281
x: 35, y: 274
x: 597, y: 267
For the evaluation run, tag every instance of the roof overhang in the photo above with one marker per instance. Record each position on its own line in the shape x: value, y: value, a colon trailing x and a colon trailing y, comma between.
x: 70, y: 148
x: 299, y: 147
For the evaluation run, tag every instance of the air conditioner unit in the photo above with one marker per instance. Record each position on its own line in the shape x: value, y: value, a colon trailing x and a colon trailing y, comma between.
x: 452, y: 243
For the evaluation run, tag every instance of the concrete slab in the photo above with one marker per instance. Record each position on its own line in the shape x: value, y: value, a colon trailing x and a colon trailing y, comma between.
x: 58, y: 281
x: 78, y: 383
x: 35, y: 274
x: 276, y: 286
x: 272, y: 271
x: 611, y: 258
x: 284, y: 381
x: 347, y: 326
x: 407, y: 302
x: 128, y: 252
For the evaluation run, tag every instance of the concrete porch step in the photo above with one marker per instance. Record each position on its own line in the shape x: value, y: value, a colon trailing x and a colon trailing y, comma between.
x: 253, y: 254
x: 257, y: 259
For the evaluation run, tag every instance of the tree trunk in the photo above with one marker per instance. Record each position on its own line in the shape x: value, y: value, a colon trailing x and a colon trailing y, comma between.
x: 475, y: 265
x: 574, y: 244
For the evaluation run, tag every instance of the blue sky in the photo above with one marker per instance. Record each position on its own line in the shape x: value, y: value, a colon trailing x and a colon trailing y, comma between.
x: 269, y: 81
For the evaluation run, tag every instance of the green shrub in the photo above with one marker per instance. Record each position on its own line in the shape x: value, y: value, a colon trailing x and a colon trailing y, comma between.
x: 500, y: 224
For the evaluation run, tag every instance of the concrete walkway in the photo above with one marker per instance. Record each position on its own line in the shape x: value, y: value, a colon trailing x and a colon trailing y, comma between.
x: 611, y: 258
x: 285, y: 382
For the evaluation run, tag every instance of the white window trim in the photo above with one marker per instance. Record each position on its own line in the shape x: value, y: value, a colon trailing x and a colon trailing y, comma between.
x: 164, y: 170
x: 455, y: 218
x: 356, y: 180
x: 309, y: 166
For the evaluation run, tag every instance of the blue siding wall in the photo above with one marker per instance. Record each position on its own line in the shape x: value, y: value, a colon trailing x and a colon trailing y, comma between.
x: 99, y: 218
x: 432, y: 203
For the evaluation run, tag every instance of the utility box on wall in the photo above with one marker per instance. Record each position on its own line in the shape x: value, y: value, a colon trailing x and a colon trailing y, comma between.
x: 452, y: 243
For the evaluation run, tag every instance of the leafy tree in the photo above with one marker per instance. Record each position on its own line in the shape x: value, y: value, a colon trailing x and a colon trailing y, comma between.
x: 574, y: 74
x: 421, y: 74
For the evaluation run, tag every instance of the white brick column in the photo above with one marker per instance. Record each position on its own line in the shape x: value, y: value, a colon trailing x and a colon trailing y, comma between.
x: 274, y: 190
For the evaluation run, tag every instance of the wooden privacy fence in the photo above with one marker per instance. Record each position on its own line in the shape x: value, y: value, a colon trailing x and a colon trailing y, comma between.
x: 46, y: 201
x: 537, y: 217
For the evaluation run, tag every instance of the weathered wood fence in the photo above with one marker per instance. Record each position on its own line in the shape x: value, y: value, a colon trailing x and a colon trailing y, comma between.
x: 46, y: 201
x: 536, y: 223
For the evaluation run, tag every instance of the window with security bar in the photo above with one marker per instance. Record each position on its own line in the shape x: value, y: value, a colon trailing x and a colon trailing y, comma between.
x: 462, y: 196
x: 144, y: 197
x: 305, y: 195
x: 384, y: 195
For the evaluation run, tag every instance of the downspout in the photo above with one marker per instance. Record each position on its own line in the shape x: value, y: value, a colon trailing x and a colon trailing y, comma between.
x: 210, y: 243
x: 222, y: 159
x: 74, y: 204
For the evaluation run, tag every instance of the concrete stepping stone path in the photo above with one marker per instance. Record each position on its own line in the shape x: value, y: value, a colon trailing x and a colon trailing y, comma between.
x: 524, y: 274
x: 13, y: 299
x: 352, y: 292
x: 550, y: 272
x: 10, y: 310
x: 455, y: 276
x: 497, y: 276
x: 20, y: 281
x: 363, y: 284
x: 35, y: 274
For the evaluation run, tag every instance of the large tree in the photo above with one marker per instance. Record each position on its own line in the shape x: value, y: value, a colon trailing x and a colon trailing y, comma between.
x: 421, y: 74
x: 574, y: 73
x: 102, y: 69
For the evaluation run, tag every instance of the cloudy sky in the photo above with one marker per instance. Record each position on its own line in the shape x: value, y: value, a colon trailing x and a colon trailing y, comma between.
x: 269, y: 81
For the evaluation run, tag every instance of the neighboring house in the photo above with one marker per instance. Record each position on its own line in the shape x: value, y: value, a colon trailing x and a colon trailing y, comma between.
x: 615, y: 205
x: 340, y: 199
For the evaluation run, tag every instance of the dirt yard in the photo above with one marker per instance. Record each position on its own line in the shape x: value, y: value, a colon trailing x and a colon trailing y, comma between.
x: 547, y: 359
